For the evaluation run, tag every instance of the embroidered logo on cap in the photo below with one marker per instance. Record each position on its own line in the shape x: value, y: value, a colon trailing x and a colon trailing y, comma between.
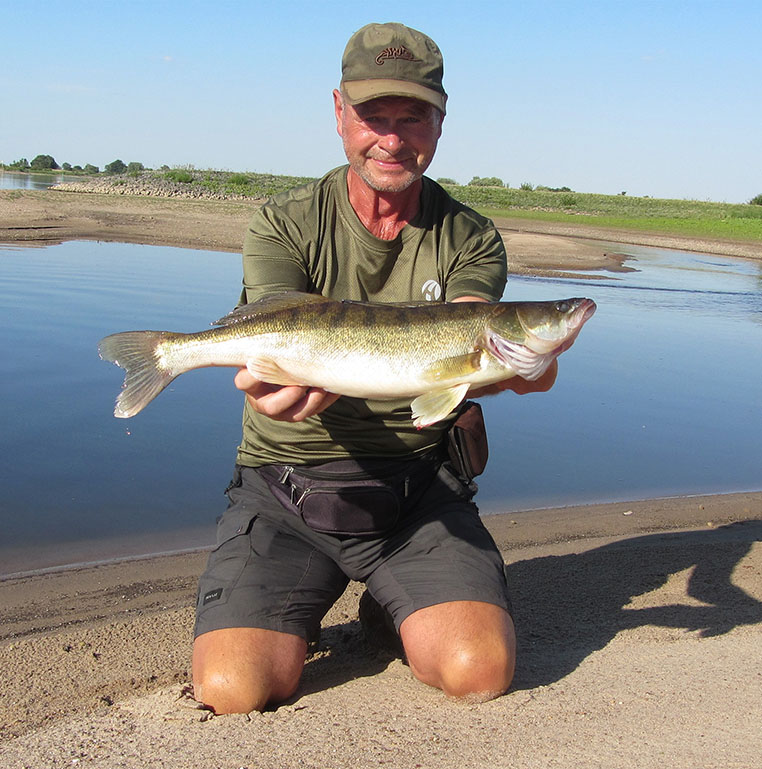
x: 395, y: 52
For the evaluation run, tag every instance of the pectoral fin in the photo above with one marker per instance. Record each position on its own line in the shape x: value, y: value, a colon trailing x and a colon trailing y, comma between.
x: 434, y: 406
x: 455, y: 367
x: 267, y: 370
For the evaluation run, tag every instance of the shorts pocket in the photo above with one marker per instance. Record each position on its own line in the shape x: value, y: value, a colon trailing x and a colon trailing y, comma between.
x: 239, y: 516
x: 227, y: 561
x: 236, y: 521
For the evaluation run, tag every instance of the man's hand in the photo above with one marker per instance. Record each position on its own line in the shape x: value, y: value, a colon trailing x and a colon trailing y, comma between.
x: 284, y: 403
x: 519, y: 385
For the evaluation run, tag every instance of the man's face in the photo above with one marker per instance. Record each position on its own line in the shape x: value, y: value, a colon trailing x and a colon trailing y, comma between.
x: 390, y: 141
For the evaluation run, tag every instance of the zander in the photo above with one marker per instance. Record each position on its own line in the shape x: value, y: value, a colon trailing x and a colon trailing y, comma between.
x: 430, y: 352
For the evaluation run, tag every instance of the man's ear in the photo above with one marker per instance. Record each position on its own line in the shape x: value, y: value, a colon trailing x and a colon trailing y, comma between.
x: 338, y: 108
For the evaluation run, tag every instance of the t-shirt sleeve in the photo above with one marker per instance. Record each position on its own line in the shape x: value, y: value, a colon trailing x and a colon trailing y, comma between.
x: 478, y: 268
x: 273, y: 258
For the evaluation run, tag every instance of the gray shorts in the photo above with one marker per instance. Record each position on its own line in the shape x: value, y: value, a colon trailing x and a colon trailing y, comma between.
x: 270, y: 570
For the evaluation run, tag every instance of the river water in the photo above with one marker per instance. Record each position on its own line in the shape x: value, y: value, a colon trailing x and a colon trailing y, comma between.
x: 32, y: 181
x: 658, y: 397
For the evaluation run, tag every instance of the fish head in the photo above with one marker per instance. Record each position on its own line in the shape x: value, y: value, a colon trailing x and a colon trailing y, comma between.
x: 528, y: 336
x: 550, y: 325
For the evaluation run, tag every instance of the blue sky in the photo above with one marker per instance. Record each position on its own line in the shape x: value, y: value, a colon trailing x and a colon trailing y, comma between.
x: 652, y: 98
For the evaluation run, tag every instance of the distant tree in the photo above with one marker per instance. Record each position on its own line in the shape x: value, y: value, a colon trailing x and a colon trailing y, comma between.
x: 76, y: 168
x: 44, y: 162
x: 446, y: 180
x: 135, y: 168
x: 756, y: 201
x: 486, y: 181
x: 91, y: 169
x: 66, y: 166
x: 115, y: 167
x: 22, y: 164
x: 526, y: 186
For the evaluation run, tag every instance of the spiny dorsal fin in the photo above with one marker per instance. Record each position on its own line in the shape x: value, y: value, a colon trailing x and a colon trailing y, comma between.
x: 286, y: 300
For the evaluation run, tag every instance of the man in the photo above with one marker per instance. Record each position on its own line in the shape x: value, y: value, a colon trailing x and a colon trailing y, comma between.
x: 376, y: 230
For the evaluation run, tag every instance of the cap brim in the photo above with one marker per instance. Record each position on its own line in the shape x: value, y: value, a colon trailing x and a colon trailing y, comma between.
x: 359, y: 91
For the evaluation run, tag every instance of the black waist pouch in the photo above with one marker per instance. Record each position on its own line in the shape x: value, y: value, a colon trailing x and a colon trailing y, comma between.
x: 352, y: 497
x: 467, y: 442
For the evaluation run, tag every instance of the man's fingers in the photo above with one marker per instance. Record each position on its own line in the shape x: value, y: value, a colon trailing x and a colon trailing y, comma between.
x: 313, y: 402
x: 287, y: 403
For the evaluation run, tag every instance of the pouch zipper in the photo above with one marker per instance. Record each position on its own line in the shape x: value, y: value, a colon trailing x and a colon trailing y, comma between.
x: 321, y: 476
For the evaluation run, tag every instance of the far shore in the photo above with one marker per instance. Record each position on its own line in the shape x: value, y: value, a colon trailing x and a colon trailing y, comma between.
x: 46, y: 217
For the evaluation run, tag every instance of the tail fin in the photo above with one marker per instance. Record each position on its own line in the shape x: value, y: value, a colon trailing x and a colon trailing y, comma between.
x: 147, y: 375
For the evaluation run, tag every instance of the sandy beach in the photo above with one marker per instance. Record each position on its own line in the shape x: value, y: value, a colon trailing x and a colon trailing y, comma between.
x: 639, y: 624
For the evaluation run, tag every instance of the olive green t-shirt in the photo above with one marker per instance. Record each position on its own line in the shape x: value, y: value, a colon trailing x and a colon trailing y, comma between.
x: 310, y: 239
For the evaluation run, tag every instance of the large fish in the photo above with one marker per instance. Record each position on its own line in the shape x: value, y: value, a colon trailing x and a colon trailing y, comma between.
x: 432, y: 353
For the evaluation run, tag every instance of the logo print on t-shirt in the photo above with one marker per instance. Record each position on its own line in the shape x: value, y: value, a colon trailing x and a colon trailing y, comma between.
x: 431, y: 291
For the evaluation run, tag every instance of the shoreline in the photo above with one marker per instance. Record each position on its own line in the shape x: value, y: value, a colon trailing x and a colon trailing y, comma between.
x: 48, y: 217
x: 557, y: 528
x: 571, y: 522
x: 630, y: 615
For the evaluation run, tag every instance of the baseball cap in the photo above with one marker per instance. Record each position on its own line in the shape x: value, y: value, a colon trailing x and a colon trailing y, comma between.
x: 392, y: 60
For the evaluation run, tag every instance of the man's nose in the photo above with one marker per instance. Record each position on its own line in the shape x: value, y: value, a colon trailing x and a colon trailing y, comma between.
x: 391, y: 141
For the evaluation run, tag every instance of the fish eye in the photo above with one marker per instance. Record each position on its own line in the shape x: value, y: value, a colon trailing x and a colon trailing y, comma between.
x: 562, y: 307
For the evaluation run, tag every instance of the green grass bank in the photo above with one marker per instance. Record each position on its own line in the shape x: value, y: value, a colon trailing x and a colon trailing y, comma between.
x: 679, y: 218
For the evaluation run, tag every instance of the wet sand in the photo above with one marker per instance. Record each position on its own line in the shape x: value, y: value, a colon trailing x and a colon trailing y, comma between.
x: 640, y: 624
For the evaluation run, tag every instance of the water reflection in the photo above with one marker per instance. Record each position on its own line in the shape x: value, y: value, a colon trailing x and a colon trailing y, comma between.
x: 32, y: 181
x: 659, y: 395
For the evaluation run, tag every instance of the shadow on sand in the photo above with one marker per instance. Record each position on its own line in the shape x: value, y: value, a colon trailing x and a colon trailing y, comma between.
x: 567, y: 607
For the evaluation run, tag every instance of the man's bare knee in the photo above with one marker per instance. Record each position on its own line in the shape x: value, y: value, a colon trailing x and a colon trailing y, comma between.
x: 238, y: 670
x: 474, y: 677
x: 467, y: 649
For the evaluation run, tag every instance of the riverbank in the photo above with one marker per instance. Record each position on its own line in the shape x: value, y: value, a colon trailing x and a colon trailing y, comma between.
x: 46, y: 217
x: 640, y: 645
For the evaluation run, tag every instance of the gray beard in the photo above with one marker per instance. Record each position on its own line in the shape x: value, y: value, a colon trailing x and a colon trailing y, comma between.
x: 400, y: 186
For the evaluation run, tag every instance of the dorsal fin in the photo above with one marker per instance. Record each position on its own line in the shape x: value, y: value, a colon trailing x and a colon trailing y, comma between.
x: 286, y: 300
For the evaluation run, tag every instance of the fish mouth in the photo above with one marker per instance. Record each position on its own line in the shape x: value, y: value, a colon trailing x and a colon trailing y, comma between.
x: 583, y: 310
x: 586, y: 308
x: 581, y: 315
